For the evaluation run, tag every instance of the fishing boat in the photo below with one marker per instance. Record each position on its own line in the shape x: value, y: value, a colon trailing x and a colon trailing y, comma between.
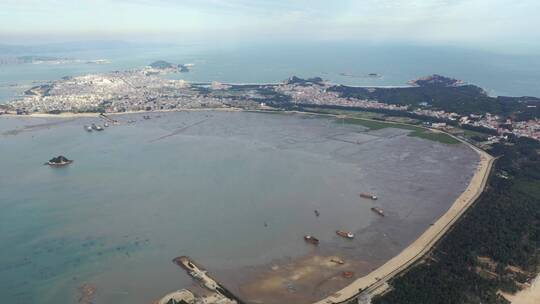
x: 347, y: 274
x: 377, y: 210
x: 311, y: 239
x: 345, y: 234
x: 369, y: 195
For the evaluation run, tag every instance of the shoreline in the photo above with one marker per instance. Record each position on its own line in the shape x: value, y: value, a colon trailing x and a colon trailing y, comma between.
x: 376, y: 281
x: 528, y: 295
x: 97, y: 115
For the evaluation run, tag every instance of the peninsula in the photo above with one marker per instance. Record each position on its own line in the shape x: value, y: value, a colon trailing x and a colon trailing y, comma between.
x: 438, y: 100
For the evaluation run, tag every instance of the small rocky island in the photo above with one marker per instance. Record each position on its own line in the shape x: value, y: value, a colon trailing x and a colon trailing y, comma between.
x: 59, y: 161
x: 436, y: 81
x: 162, y: 65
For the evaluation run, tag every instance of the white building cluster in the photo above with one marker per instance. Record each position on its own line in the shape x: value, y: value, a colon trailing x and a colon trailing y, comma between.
x: 148, y: 90
x: 115, y: 92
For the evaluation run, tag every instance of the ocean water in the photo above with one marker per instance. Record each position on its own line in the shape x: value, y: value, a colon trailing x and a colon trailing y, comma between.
x: 203, y: 184
x: 511, y: 75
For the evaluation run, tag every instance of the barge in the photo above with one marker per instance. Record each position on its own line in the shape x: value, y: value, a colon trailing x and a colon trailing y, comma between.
x: 369, y: 196
x: 345, y: 234
x: 311, y: 239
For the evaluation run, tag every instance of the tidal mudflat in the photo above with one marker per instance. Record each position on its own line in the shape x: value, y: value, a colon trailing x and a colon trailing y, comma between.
x: 235, y: 191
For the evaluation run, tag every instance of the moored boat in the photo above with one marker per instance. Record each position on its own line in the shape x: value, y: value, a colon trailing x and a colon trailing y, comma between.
x: 347, y: 274
x: 345, y: 234
x: 377, y: 210
x: 368, y: 195
x: 311, y: 239
x: 337, y: 261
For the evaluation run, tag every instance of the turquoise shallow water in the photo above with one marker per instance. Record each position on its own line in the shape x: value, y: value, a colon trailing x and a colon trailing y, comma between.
x: 130, y: 203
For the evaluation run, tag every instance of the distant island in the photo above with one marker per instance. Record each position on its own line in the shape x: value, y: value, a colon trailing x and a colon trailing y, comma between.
x: 435, y: 81
x: 170, y: 67
x: 59, y: 161
x: 48, y: 60
x: 369, y: 75
x: 304, y: 82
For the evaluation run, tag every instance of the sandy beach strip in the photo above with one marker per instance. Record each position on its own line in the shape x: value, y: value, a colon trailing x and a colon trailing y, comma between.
x: 95, y: 114
x: 529, y: 295
x: 376, y: 281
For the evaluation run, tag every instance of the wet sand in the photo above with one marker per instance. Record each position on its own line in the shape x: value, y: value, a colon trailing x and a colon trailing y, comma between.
x: 415, y: 251
x: 314, y: 277
x: 302, y: 280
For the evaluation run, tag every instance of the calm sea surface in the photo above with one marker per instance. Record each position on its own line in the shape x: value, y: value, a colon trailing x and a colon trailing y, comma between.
x: 202, y: 184
x: 514, y: 75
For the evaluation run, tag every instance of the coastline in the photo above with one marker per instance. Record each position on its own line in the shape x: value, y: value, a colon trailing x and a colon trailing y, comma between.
x: 95, y: 114
x: 376, y: 281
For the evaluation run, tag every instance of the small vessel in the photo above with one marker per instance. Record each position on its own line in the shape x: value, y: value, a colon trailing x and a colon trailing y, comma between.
x: 311, y: 239
x: 377, y: 210
x: 97, y: 127
x: 368, y: 195
x: 345, y: 234
x: 347, y: 274
x: 337, y: 261
x: 88, y: 128
x: 106, y: 125
x: 59, y: 161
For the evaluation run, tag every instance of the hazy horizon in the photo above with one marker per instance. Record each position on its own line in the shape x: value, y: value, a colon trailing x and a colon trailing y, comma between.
x: 462, y: 24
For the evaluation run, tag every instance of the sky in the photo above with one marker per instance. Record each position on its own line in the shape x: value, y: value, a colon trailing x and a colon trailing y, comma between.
x: 498, y: 24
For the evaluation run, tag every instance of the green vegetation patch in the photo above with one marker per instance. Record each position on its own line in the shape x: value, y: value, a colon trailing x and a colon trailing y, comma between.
x: 372, y: 125
x: 528, y: 187
x: 438, y: 137
x: 377, y: 121
x: 416, y: 131
x: 350, y: 113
